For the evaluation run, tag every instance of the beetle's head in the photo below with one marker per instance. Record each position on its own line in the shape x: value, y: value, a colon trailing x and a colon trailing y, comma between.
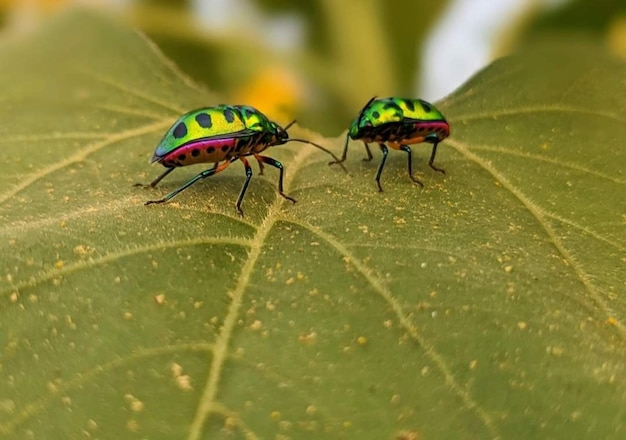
x: 279, y: 133
x: 363, y: 122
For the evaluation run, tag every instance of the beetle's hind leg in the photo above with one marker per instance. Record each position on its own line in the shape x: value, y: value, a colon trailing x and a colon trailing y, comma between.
x: 244, y: 188
x: 155, y: 181
x: 206, y: 173
x: 281, y: 170
x: 409, y: 165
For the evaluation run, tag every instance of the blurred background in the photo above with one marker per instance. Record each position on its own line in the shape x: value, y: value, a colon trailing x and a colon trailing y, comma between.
x: 321, y: 60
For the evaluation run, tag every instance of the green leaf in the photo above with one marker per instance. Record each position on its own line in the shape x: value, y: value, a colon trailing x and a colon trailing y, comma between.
x: 490, y: 304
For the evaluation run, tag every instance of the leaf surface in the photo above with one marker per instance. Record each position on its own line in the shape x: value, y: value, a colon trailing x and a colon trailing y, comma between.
x: 490, y: 304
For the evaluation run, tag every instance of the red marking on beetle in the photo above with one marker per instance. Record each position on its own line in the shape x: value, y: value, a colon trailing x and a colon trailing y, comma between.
x: 204, y: 157
x: 432, y: 127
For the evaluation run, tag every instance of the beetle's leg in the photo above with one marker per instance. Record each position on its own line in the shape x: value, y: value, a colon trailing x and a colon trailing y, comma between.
x: 409, y: 164
x: 344, y: 154
x: 432, y: 159
x: 369, y: 153
x: 281, y: 170
x: 244, y: 188
x: 261, y: 167
x: 385, y: 151
x: 206, y: 173
x: 157, y: 180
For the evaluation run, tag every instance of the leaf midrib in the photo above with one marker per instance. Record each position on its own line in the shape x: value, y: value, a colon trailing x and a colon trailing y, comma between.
x: 208, y: 402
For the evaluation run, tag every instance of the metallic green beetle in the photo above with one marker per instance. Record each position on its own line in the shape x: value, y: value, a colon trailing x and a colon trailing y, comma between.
x: 397, y: 123
x: 224, y: 133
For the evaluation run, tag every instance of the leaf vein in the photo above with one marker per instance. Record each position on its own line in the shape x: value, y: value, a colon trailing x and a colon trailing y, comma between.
x: 81, y: 155
x: 429, y: 349
x: 113, y: 256
x: 541, y: 158
x: 540, y: 216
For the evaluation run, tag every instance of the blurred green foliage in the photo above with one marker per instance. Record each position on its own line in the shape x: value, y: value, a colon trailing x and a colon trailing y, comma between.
x: 580, y: 15
x: 354, y: 49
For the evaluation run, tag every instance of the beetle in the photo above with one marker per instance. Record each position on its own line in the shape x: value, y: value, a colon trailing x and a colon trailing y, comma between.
x: 397, y: 123
x: 223, y: 133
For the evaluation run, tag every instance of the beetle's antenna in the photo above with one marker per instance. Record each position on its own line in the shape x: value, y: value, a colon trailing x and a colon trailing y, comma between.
x: 321, y: 148
x: 289, y: 125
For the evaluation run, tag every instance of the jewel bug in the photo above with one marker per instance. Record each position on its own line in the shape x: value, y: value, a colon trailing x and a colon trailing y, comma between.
x: 397, y: 123
x: 224, y: 133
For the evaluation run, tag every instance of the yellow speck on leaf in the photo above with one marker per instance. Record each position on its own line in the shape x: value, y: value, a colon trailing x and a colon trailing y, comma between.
x: 176, y: 370
x: 132, y: 425
x: 308, y: 338
x: 184, y: 382
x: 611, y: 321
x: 275, y: 415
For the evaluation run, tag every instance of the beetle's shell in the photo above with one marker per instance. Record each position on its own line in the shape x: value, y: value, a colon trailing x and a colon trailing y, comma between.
x: 400, y: 122
x: 254, y: 119
x: 213, y: 134
x: 206, y: 123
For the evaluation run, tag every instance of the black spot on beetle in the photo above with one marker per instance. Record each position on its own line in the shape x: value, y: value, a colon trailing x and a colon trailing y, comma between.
x: 182, y: 157
x: 180, y: 131
x: 229, y: 115
x: 204, y: 120
x: 210, y: 150
x: 409, y: 105
x: 375, y: 115
x: 225, y: 148
x: 426, y: 106
x: 195, y: 152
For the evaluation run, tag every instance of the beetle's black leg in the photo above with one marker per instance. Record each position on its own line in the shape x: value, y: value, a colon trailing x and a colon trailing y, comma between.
x: 369, y: 153
x: 277, y: 164
x: 344, y: 154
x: 432, y: 159
x: 242, y: 193
x: 385, y: 151
x: 409, y: 164
x: 202, y: 175
x: 157, y: 180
